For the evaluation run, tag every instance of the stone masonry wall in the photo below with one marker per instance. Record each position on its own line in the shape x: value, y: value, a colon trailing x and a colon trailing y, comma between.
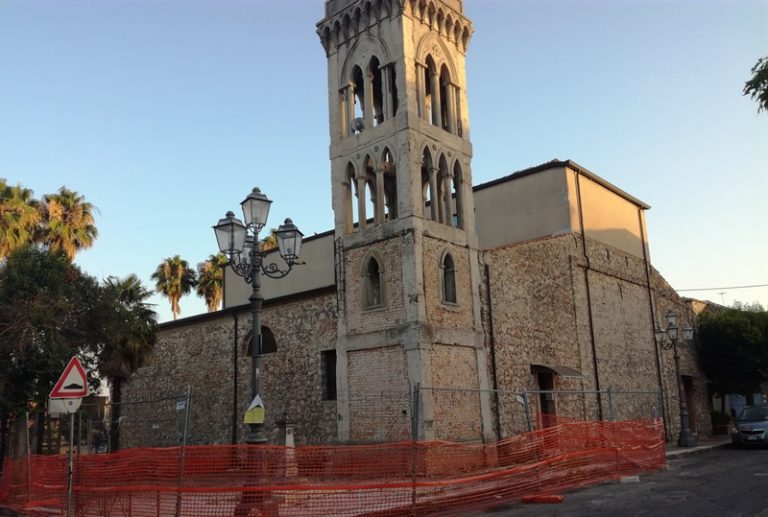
x: 200, y: 352
x: 535, y: 321
x: 539, y: 303
x: 667, y: 299
x: 540, y: 314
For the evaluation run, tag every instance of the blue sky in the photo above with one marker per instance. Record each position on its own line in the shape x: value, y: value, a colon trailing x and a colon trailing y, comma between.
x: 165, y: 113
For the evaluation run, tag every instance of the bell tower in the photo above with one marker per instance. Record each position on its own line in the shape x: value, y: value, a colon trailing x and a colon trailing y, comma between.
x: 408, y: 274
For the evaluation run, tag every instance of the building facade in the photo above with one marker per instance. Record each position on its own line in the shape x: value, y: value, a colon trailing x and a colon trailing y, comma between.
x: 435, y: 309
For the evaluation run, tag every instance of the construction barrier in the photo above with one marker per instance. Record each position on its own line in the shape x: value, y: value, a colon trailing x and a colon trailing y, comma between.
x: 396, y: 479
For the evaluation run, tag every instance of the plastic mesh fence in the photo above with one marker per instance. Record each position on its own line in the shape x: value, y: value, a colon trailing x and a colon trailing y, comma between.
x: 404, y: 478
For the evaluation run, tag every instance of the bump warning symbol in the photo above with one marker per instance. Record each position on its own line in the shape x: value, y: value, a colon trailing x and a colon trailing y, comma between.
x: 72, y: 384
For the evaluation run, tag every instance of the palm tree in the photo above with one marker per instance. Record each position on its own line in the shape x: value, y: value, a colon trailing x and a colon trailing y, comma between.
x: 269, y: 242
x: 173, y: 279
x: 68, y: 223
x: 210, y: 276
x: 129, y: 339
x: 19, y: 218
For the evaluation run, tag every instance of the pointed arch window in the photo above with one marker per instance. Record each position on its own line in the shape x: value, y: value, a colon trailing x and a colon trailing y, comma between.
x: 373, y: 282
x: 458, y: 199
x: 448, y: 279
x: 377, y: 87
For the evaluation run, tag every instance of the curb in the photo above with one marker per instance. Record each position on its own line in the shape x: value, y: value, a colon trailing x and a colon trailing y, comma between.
x: 685, y: 451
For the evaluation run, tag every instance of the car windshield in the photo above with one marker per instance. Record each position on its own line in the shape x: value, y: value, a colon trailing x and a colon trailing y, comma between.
x: 754, y: 413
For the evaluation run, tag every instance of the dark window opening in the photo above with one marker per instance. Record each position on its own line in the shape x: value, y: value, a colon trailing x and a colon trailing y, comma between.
x: 359, y: 94
x: 378, y: 92
x: 373, y: 283
x: 393, y: 89
x: 328, y: 359
x: 268, y: 342
x: 449, y: 279
x: 547, y: 411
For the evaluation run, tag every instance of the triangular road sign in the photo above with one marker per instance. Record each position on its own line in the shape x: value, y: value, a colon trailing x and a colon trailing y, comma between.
x: 72, y: 384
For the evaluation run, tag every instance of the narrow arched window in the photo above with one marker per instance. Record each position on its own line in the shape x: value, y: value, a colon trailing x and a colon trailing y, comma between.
x: 458, y: 200
x: 358, y: 97
x: 428, y: 186
x: 350, y: 204
x: 268, y: 343
x: 375, y: 75
x: 448, y: 280
x: 373, y: 293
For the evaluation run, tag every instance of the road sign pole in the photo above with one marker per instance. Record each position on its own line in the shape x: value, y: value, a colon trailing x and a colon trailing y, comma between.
x: 29, y: 458
x: 69, y: 466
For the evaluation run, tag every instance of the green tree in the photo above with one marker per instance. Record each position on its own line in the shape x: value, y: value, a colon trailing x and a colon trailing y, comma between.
x: 757, y: 86
x: 68, y: 223
x: 128, y: 341
x: 19, y: 217
x: 48, y: 313
x: 173, y: 279
x: 734, y: 350
x: 210, y: 283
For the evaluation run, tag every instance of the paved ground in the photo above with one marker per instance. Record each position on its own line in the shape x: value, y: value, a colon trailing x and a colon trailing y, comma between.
x: 722, y: 482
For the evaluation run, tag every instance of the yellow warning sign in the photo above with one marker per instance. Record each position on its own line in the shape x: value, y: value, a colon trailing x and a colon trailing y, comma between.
x: 255, y: 413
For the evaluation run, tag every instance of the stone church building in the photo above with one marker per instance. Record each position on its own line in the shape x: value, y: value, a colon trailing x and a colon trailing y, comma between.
x: 435, y: 308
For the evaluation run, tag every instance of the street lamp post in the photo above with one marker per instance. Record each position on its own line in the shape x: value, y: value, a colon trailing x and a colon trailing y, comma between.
x: 240, y: 243
x: 667, y: 339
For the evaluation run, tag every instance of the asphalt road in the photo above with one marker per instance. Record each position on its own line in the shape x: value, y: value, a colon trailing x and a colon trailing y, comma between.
x: 722, y: 482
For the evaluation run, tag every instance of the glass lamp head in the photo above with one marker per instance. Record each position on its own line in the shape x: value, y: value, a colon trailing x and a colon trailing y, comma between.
x: 256, y: 209
x: 230, y: 234
x: 289, y: 241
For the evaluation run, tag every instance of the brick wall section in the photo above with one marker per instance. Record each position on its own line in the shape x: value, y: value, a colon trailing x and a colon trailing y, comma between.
x: 361, y: 320
x: 380, y: 407
x: 200, y: 353
x: 440, y: 314
x: 456, y: 413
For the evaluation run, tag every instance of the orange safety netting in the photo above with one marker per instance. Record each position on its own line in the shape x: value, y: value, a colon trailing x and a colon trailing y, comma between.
x: 405, y: 478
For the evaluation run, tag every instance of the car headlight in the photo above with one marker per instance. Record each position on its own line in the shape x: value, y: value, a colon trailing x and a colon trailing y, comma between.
x: 734, y: 430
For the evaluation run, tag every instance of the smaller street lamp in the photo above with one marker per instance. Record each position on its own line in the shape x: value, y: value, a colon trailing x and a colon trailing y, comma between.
x: 240, y: 243
x: 667, y: 339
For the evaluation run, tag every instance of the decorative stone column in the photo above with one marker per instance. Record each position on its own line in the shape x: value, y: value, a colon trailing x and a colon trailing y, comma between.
x: 368, y: 99
x: 421, y: 92
x: 379, y: 215
x: 362, y: 217
x: 434, y: 202
x: 451, y: 100
x: 448, y: 198
x: 350, y: 90
x: 434, y: 83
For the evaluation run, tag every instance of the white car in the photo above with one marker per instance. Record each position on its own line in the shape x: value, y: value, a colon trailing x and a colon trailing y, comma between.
x: 751, y: 426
